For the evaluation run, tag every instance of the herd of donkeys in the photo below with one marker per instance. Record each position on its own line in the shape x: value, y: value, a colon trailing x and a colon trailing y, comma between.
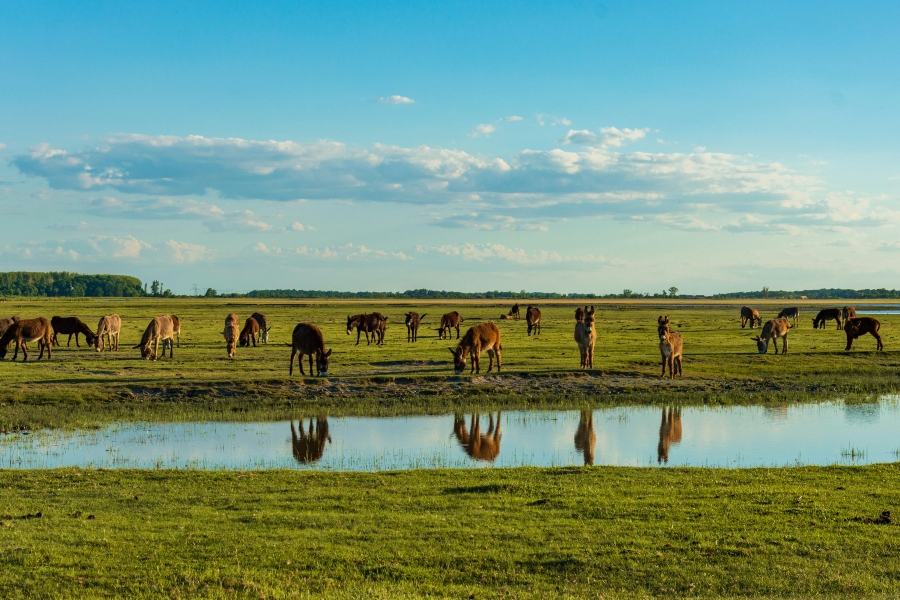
x: 307, y: 339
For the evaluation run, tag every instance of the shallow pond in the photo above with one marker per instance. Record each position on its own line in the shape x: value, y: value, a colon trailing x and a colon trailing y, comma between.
x: 804, y: 434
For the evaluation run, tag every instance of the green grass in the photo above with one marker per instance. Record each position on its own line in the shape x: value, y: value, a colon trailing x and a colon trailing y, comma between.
x: 579, y: 532
x: 721, y: 364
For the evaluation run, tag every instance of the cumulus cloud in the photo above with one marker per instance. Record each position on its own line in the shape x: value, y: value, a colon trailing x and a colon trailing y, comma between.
x: 487, y: 222
x: 396, y: 100
x: 186, y: 252
x: 482, y: 130
x: 118, y: 247
x: 66, y: 253
x: 484, y: 252
x: 512, y: 118
x: 609, y: 137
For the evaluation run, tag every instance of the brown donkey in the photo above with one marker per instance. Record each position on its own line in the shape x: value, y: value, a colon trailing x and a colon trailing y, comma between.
x: 71, y: 326
x: 670, y: 347
x: 231, y: 334
x: 310, y: 447
x: 478, y: 339
x: 159, y: 329
x: 413, y: 320
x: 374, y: 323
x: 533, y: 320
x: 308, y: 339
x: 108, y: 326
x: 858, y: 326
x: 477, y: 445
x: 249, y: 333
x: 750, y: 315
x: 514, y: 312
x: 23, y: 331
x: 449, y: 321
x: 586, y: 337
x: 772, y: 330
x: 264, y: 327
x: 848, y: 312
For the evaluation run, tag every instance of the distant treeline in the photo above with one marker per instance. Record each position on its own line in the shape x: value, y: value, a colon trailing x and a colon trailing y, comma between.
x: 822, y: 294
x: 418, y: 294
x: 24, y: 283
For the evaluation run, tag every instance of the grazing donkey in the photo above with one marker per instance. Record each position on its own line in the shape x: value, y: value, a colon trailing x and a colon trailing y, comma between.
x: 514, y: 311
x: 848, y: 312
x: 449, y: 321
x: 827, y: 314
x: 71, y: 326
x: 772, y: 330
x: 670, y: 347
x: 23, y: 331
x: 669, y: 433
x: 477, y: 445
x: 176, y: 330
x: 413, y: 320
x: 586, y: 337
x: 478, y: 339
x: 263, y: 327
x: 309, y: 447
x: 586, y: 437
x: 750, y: 315
x: 249, y: 333
x: 6, y: 324
x: 857, y: 326
x: 108, y: 326
x: 231, y: 334
x: 374, y: 323
x: 533, y: 319
x: 160, y: 328
x: 792, y: 313
x: 308, y: 339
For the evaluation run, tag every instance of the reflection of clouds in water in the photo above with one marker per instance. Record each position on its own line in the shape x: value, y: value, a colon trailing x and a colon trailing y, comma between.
x: 862, y: 413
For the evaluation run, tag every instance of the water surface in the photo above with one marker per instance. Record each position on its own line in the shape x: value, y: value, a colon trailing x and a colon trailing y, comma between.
x: 798, y: 434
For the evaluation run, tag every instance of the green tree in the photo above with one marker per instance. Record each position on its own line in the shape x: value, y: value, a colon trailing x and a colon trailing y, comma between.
x: 673, y: 291
x: 211, y: 293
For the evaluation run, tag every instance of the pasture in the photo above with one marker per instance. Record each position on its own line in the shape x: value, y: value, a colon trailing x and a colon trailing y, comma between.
x: 720, y: 362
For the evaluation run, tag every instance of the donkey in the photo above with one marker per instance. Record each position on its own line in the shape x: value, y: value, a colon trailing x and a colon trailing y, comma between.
x: 827, y: 314
x: 308, y: 339
x: 586, y: 437
x: 857, y: 326
x: 309, y: 447
x: 670, y: 347
x: 477, y: 445
x: 231, y: 334
x: 176, y: 329
x: 71, y: 326
x: 669, y: 433
x: 373, y: 323
x: 533, y: 319
x: 6, y: 324
x: 108, y: 326
x: 514, y: 311
x: 586, y: 337
x: 848, y: 312
x: 750, y: 315
x: 449, y: 321
x: 249, y: 333
x: 478, y: 339
x: 160, y: 328
x: 772, y: 330
x: 263, y: 327
x: 23, y: 331
x: 792, y: 313
x: 413, y: 320
x: 579, y: 313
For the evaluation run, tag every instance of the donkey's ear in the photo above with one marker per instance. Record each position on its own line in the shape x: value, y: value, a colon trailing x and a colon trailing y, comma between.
x: 452, y: 351
x: 752, y: 337
x: 327, y: 354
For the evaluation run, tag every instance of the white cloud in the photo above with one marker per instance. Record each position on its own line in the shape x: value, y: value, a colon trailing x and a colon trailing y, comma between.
x: 512, y: 118
x: 609, y: 137
x: 396, y: 100
x: 68, y: 253
x: 186, y: 252
x: 483, y: 252
x: 297, y: 226
x: 118, y: 247
x: 483, y: 130
x: 345, y: 251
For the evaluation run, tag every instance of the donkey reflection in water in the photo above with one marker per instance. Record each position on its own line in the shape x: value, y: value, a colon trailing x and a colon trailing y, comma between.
x: 669, y: 433
x: 477, y: 445
x: 309, y: 446
x: 585, y: 437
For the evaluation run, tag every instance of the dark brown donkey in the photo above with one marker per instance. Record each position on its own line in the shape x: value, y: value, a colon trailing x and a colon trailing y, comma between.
x: 449, y: 321
x: 23, y: 331
x: 374, y: 323
x: 413, y: 320
x: 264, y: 327
x: 514, y: 311
x: 857, y: 326
x: 307, y: 339
x: 533, y: 319
x: 71, y: 326
x: 309, y: 447
x: 249, y: 333
x: 479, y: 338
x: 827, y: 314
x: 6, y: 324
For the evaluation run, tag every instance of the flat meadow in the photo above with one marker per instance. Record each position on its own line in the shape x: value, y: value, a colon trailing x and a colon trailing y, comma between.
x: 518, y: 532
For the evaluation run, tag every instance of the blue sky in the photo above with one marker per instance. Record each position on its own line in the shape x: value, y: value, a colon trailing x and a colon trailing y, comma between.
x: 582, y: 146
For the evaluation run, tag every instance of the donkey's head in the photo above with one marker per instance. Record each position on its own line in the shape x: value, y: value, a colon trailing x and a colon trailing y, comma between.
x: 322, y: 363
x: 588, y: 320
x: 762, y: 345
x: 459, y: 360
x: 352, y: 322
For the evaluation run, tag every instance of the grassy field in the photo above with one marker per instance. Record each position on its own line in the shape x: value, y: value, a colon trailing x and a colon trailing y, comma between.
x: 721, y: 363
x: 578, y: 532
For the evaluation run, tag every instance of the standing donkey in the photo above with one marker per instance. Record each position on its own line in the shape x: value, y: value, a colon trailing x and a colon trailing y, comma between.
x: 413, y: 320
x: 109, y: 326
x: 670, y: 346
x: 586, y: 337
x: 772, y: 330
